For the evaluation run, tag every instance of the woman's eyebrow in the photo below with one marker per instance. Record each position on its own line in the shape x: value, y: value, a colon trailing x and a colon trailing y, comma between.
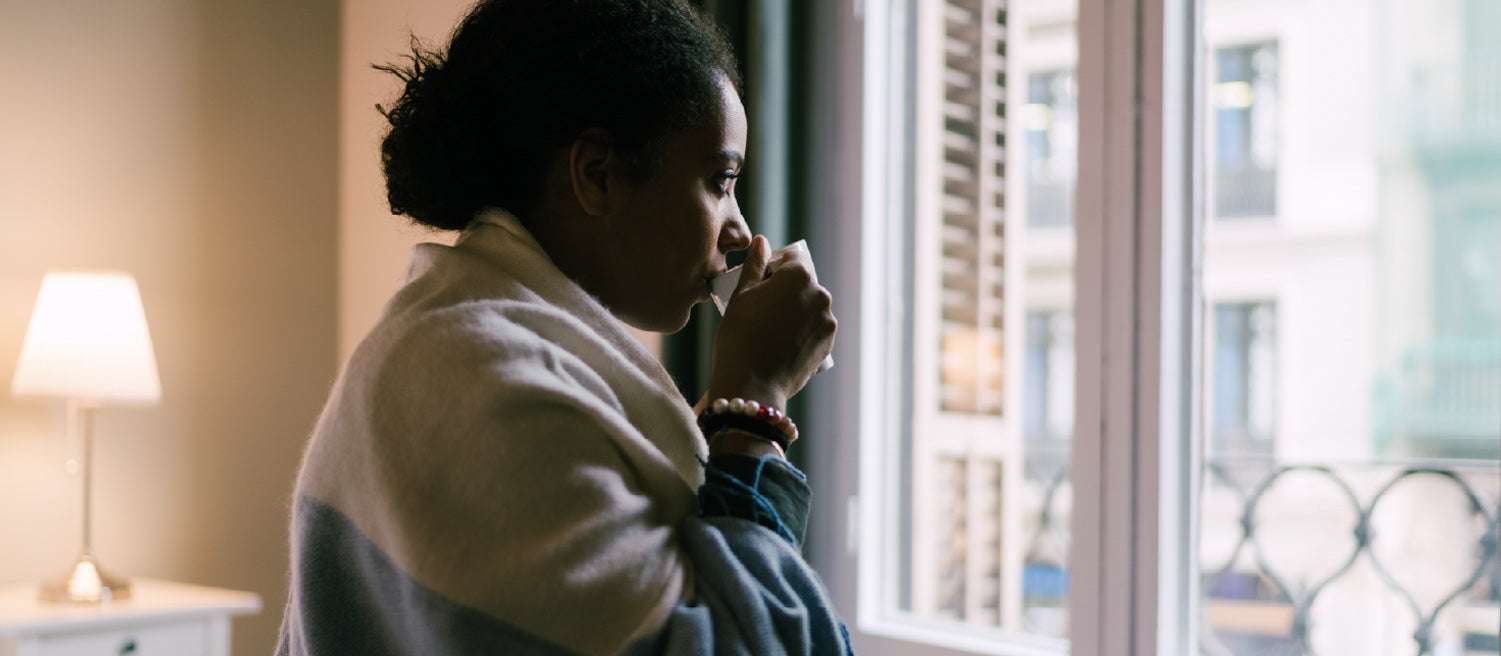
x: 732, y: 156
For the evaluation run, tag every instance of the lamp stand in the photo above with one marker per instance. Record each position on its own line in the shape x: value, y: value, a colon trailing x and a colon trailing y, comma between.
x: 85, y: 582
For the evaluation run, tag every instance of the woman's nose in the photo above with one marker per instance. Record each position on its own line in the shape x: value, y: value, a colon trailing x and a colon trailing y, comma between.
x: 736, y: 235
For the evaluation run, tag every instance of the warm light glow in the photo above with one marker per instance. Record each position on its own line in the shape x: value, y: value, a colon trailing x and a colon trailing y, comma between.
x: 971, y: 358
x: 1233, y: 95
x: 88, y: 341
x: 85, y: 582
x: 1038, y: 117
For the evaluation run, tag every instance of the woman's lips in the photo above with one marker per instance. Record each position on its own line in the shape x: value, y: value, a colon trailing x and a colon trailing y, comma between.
x: 708, y: 290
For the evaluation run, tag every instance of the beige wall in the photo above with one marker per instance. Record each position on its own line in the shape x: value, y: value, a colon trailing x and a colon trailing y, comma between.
x: 226, y: 154
x: 373, y: 244
x: 192, y: 143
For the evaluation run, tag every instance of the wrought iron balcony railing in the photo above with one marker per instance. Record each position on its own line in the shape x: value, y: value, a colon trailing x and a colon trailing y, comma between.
x: 1323, y: 559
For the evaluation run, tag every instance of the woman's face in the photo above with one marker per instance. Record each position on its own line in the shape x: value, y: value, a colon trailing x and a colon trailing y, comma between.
x: 674, y: 231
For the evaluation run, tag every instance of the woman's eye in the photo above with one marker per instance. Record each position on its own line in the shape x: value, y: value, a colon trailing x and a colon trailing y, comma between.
x: 726, y: 180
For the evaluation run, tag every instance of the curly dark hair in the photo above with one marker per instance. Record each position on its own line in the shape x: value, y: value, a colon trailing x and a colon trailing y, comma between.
x: 475, y: 125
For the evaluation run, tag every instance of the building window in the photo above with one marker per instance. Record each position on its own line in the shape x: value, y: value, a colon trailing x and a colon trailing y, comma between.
x: 1051, y: 120
x: 1243, y: 378
x: 1048, y: 396
x: 1244, y: 103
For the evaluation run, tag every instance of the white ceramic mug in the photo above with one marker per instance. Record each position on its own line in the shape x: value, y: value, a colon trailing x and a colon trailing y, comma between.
x: 723, y: 287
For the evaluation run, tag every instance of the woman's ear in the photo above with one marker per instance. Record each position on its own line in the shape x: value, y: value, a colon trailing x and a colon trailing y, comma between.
x: 591, y: 164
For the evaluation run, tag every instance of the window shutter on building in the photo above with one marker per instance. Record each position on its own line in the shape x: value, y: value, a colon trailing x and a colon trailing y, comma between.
x: 972, y: 227
x: 964, y: 459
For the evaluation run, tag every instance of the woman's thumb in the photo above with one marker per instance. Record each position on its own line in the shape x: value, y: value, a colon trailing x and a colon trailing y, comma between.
x: 753, y: 270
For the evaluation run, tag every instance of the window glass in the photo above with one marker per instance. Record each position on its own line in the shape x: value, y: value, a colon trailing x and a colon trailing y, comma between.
x: 1243, y: 377
x: 1351, y: 390
x: 990, y: 342
x: 1352, y: 350
x: 1245, y: 102
x: 1048, y: 410
x: 1051, y: 122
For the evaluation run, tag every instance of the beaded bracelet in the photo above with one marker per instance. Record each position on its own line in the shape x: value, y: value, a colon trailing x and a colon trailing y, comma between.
x: 717, y: 424
x: 764, y: 413
x: 751, y: 417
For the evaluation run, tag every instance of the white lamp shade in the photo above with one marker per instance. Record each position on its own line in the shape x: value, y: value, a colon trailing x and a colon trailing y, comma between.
x: 88, y: 341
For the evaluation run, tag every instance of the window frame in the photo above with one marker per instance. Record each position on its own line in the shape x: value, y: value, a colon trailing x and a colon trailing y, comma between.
x: 1137, y: 216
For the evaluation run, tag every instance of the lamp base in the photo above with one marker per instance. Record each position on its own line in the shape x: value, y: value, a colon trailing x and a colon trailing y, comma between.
x: 86, y: 583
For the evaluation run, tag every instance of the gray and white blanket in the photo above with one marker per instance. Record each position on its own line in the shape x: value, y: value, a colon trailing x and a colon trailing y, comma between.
x: 503, y: 469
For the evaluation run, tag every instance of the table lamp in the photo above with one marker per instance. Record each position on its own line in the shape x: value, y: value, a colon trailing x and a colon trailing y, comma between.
x: 88, y: 345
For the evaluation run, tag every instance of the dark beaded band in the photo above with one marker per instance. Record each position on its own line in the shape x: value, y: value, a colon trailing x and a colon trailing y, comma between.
x: 713, y: 424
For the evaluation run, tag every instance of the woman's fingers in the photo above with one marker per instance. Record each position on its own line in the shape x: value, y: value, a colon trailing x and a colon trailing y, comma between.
x: 757, y: 260
x: 780, y: 327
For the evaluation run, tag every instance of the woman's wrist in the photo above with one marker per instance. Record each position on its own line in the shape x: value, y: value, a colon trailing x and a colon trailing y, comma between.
x: 742, y: 443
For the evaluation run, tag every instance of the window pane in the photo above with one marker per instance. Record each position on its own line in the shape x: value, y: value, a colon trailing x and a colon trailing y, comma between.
x: 1243, y: 377
x: 1051, y: 124
x: 1352, y: 348
x: 990, y: 342
x: 1245, y: 102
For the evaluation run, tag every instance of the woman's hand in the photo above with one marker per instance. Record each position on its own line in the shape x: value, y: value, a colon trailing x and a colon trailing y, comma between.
x: 776, y: 331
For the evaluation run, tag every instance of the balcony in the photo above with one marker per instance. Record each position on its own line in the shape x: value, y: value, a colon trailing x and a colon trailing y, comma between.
x: 1375, y: 558
x: 1444, y: 399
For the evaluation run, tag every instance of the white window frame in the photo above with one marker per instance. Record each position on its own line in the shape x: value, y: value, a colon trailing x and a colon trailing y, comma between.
x: 1135, y: 326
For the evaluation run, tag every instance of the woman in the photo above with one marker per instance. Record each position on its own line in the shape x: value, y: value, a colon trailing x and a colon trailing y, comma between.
x: 501, y: 468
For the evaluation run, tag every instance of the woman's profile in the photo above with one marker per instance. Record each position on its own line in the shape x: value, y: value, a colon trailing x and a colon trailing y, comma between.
x: 501, y: 467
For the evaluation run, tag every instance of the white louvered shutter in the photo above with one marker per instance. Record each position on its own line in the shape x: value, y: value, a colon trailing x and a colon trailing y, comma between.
x: 964, y: 451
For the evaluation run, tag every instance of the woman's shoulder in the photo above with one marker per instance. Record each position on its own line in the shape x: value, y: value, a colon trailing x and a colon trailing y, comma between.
x: 492, y: 339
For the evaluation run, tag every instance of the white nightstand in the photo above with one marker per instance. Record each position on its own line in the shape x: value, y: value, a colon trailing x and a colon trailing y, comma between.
x: 159, y: 619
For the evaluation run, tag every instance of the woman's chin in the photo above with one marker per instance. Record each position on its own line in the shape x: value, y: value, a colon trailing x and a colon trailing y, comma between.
x: 664, y: 322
